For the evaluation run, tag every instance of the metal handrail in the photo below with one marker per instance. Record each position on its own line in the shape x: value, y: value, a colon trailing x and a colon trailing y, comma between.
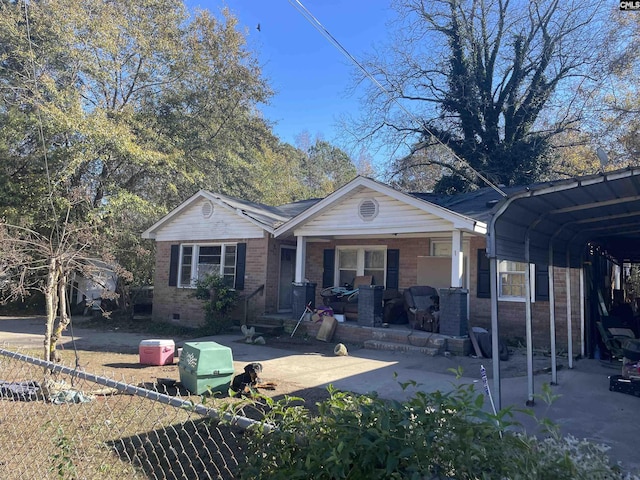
x: 260, y: 290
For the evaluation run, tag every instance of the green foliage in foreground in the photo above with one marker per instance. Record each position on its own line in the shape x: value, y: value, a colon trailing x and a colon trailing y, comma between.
x: 430, y: 436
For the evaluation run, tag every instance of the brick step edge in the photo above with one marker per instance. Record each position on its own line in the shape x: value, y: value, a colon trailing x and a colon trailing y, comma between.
x: 400, y: 347
x: 266, y: 329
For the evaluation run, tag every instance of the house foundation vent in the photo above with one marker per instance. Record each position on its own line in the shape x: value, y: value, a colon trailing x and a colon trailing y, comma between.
x: 368, y: 209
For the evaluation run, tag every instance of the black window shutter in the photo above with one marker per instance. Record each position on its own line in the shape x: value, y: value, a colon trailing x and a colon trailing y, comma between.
x: 542, y: 283
x: 173, y: 265
x: 241, y: 262
x: 393, y: 268
x: 484, y: 276
x: 328, y: 265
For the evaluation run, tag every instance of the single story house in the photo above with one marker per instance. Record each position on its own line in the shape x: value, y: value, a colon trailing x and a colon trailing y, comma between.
x: 363, y: 228
x: 538, y: 262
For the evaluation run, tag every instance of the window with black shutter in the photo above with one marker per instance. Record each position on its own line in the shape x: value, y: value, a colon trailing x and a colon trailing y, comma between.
x: 542, y: 283
x: 484, y: 276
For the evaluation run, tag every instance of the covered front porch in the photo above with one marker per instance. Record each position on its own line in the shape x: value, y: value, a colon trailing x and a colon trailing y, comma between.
x: 368, y: 230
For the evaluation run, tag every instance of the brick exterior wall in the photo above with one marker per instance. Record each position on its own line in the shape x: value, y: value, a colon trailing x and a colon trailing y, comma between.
x: 410, y: 248
x: 171, y: 301
x: 511, y: 315
x: 262, y: 268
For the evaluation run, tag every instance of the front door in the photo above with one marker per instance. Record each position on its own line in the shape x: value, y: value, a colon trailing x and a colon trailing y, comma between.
x: 287, y: 277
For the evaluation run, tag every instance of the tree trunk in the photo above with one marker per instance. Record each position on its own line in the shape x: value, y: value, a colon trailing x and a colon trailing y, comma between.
x: 64, y: 319
x: 50, y: 295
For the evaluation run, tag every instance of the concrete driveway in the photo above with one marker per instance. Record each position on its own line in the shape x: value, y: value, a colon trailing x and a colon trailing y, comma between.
x: 585, y: 407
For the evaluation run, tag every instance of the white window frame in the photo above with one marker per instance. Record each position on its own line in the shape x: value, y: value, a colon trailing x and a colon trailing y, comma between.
x: 360, y: 260
x: 195, y: 257
x: 436, y: 243
x: 514, y: 298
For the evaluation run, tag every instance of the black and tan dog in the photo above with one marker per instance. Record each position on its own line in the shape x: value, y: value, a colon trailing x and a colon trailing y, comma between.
x: 245, y: 383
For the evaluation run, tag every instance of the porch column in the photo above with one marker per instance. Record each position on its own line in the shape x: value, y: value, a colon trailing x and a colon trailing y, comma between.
x: 304, y: 293
x: 457, y: 260
x: 301, y: 255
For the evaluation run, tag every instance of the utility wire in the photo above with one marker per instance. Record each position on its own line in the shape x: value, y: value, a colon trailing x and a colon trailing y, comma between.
x: 325, y: 33
x: 38, y: 112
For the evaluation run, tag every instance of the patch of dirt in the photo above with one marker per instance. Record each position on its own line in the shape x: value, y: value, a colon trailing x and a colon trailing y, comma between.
x: 125, y: 367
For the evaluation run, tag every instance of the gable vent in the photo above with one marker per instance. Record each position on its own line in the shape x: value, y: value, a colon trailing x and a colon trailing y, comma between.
x: 207, y: 209
x: 368, y: 209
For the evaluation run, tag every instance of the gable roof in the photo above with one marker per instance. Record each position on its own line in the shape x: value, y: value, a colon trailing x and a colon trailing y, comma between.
x: 264, y: 216
x: 459, y: 219
x: 469, y: 211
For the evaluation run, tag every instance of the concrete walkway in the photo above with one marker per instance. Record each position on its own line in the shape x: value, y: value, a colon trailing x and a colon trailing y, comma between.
x: 585, y: 408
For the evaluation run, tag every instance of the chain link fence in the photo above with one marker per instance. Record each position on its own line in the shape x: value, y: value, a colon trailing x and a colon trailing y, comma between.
x: 59, y: 422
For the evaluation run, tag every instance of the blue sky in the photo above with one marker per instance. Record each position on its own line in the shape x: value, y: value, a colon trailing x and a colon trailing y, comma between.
x: 309, y: 74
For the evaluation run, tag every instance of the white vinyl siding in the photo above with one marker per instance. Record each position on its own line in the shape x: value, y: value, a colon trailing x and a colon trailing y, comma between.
x: 223, y: 224
x: 393, y: 217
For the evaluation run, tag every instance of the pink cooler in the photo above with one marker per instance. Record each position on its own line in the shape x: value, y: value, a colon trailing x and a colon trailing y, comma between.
x: 156, y: 352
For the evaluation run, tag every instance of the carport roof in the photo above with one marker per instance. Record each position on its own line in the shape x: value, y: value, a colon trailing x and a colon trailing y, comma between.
x: 567, y: 215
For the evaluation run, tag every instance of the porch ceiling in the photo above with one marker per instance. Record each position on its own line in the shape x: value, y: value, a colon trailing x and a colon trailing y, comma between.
x: 603, y: 210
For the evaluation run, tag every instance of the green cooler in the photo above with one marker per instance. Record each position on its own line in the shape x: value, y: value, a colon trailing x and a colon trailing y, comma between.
x: 205, y: 367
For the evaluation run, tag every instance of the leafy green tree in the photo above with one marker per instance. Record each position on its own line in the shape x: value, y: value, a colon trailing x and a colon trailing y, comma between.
x: 113, y: 112
x: 324, y: 167
x: 420, y: 171
x: 617, y: 119
x: 493, y: 80
x: 275, y: 176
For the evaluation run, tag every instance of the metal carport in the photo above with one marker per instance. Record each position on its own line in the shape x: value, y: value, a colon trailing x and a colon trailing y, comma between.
x: 552, y: 224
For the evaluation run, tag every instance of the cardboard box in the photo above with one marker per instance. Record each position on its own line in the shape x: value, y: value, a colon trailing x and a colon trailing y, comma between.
x: 156, y: 352
x: 327, y: 329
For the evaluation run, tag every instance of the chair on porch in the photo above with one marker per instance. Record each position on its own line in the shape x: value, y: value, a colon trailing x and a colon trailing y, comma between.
x: 344, y: 299
x: 615, y: 339
x: 423, y: 304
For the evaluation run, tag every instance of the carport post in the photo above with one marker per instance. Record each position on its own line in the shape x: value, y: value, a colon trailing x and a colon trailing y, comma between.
x: 495, y: 349
x: 569, y: 327
x: 527, y: 294
x: 552, y: 319
x: 582, y: 333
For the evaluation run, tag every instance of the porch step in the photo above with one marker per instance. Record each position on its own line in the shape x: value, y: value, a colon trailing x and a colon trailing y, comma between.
x: 271, y: 330
x: 401, y: 347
